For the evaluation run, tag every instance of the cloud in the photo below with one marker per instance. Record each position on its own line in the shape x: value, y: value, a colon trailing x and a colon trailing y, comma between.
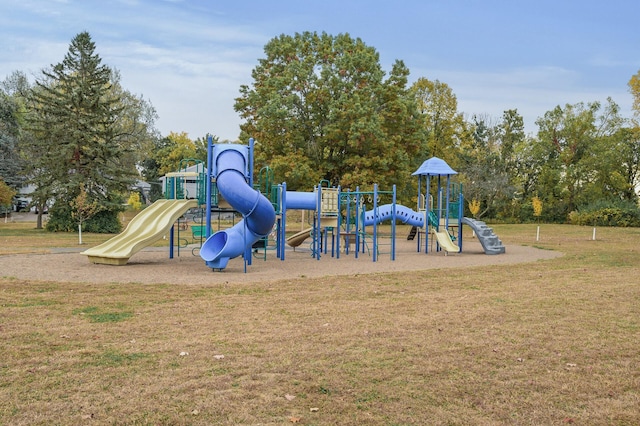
x: 532, y: 91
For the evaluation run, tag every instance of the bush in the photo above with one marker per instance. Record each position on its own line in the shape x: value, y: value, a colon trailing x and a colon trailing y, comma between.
x: 134, y: 201
x: 622, y: 214
x: 103, y: 222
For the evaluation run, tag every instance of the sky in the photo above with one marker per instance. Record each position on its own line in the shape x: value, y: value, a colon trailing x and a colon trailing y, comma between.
x: 188, y: 58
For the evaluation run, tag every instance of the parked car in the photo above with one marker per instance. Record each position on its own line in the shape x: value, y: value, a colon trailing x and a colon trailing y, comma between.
x: 21, y: 205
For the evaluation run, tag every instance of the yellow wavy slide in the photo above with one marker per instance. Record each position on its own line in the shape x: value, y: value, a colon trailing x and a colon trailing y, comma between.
x: 145, y: 228
x: 444, y: 239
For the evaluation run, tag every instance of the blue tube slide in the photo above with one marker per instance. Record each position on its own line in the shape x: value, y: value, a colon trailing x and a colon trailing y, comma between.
x: 257, y: 211
x: 301, y: 200
x: 403, y: 214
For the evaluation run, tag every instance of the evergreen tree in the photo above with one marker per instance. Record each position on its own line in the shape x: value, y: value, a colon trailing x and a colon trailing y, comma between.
x: 10, y: 107
x: 77, y: 121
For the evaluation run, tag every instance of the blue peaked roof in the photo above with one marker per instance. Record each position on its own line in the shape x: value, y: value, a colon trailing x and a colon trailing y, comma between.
x: 434, y: 166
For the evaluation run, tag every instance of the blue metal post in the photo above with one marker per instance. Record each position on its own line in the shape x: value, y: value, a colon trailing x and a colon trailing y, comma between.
x: 208, y: 187
x: 460, y: 214
x: 317, y: 231
x: 283, y: 213
x: 428, y: 210
x: 375, y: 222
x: 248, y: 249
x: 446, y: 221
x: 357, y: 222
x: 251, y: 147
x: 393, y: 226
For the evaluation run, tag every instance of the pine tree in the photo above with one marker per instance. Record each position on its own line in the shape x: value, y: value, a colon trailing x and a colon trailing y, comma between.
x: 77, y: 138
x: 10, y: 164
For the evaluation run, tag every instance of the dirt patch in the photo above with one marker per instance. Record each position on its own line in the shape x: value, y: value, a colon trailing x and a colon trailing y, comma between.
x: 153, y: 265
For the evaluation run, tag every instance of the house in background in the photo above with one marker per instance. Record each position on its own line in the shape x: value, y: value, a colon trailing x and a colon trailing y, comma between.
x: 23, y: 199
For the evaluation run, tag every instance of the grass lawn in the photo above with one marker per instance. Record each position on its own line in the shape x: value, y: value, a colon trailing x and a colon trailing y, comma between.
x: 545, y: 343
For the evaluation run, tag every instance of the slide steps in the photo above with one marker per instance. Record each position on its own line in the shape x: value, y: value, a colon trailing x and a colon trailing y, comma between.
x: 489, y: 240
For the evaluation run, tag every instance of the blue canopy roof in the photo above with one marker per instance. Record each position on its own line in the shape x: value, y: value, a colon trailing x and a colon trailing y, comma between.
x: 434, y: 166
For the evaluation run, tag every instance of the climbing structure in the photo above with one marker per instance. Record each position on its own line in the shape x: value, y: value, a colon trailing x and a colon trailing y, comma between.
x: 443, y: 204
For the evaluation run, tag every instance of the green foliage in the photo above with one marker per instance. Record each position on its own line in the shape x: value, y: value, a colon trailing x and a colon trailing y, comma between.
x: 105, y: 221
x: 6, y: 194
x: 320, y: 109
x: 165, y: 155
x: 10, y: 161
x: 85, y: 131
x: 81, y: 208
x: 603, y: 213
x: 446, y: 128
x: 173, y: 149
x: 483, y: 170
x: 583, y: 155
x: 634, y: 88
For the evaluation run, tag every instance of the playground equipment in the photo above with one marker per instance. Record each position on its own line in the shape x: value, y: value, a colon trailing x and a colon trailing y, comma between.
x: 147, y: 227
x: 231, y: 166
x: 183, y: 192
x: 339, y: 218
x: 441, y: 218
x: 488, y: 239
x: 229, y: 174
x: 447, y: 214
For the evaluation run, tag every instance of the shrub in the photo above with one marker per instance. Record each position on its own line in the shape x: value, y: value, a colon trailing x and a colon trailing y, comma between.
x: 103, y: 222
x: 134, y: 201
x: 622, y: 214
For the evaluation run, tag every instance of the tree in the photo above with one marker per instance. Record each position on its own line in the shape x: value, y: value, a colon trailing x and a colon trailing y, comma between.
x: 175, y: 148
x: 6, y: 196
x: 10, y: 161
x: 510, y: 135
x: 629, y: 155
x: 608, y: 160
x: 134, y: 126
x: 634, y: 88
x: 482, y: 170
x: 517, y: 162
x: 85, y: 130
x: 587, y: 158
x: 320, y: 108
x: 632, y: 136
x: 165, y: 155
x: 134, y: 201
x: 566, y: 135
x: 82, y: 210
x: 445, y: 126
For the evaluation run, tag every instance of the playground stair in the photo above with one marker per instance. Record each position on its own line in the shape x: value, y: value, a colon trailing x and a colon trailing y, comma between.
x: 412, y: 233
x: 489, y: 240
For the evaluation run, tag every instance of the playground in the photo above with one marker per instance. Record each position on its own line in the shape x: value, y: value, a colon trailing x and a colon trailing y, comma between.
x: 152, y: 265
x: 340, y: 221
x: 544, y: 333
